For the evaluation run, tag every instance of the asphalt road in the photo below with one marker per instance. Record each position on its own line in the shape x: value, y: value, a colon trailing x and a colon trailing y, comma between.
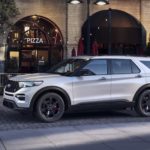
x: 11, y: 120
x: 109, y: 130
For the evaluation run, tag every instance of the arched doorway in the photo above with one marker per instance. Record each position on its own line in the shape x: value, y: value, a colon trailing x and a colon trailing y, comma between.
x: 35, y: 43
x: 116, y: 33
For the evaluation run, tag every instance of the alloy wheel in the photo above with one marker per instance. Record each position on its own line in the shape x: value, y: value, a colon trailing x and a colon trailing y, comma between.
x: 50, y: 107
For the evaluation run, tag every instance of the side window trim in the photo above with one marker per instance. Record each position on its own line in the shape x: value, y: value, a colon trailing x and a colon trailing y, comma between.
x: 109, y: 66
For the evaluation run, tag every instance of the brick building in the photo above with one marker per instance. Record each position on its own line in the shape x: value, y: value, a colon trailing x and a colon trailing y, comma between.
x: 67, y: 23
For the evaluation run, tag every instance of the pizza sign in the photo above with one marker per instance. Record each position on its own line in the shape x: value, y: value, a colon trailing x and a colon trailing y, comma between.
x: 34, y: 40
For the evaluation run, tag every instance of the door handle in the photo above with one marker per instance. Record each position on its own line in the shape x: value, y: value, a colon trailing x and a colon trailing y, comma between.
x: 138, y: 76
x: 102, y: 79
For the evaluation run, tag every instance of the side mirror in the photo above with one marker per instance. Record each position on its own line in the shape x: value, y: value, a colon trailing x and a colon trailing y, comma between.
x: 85, y: 72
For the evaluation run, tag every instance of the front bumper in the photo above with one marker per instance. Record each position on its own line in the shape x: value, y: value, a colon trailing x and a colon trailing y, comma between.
x: 12, y: 105
x: 20, y: 99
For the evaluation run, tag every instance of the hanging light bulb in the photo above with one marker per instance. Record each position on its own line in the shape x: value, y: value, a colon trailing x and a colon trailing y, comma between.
x: 34, y: 17
x: 102, y: 2
x: 75, y: 1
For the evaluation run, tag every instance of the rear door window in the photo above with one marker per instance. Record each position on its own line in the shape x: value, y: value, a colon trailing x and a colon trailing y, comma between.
x: 121, y: 66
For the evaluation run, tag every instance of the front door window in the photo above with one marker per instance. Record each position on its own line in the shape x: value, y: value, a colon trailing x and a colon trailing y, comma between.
x: 97, y: 67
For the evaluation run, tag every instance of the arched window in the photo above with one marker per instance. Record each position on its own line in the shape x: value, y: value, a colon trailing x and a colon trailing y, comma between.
x: 116, y: 32
x: 35, y: 44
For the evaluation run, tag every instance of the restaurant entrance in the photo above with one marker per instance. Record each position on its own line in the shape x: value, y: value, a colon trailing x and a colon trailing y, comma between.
x: 34, y: 61
x: 34, y: 45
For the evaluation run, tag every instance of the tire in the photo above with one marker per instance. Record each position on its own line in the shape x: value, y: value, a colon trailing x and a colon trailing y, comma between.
x: 142, y: 105
x: 50, y: 107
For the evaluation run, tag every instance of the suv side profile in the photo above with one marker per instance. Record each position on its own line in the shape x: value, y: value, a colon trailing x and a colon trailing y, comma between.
x: 120, y: 81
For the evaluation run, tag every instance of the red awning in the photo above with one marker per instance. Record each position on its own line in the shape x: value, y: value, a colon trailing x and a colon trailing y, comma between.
x: 95, y: 47
x: 80, y: 47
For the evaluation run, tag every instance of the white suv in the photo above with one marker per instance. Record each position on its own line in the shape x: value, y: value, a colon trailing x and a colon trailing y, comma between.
x: 115, y: 81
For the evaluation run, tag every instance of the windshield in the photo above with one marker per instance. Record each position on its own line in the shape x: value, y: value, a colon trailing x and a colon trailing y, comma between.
x: 68, y: 67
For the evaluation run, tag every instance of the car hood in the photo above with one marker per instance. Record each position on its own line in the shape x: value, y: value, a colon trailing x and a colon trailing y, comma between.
x: 34, y: 77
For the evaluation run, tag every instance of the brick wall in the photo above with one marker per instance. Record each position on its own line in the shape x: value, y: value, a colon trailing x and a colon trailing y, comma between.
x: 137, y: 8
x: 55, y: 10
x: 145, y: 16
x: 52, y: 9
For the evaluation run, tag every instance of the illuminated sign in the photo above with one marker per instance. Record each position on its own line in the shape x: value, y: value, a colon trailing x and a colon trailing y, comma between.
x: 34, y: 40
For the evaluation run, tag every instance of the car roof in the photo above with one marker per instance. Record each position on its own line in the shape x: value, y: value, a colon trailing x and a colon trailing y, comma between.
x: 111, y: 57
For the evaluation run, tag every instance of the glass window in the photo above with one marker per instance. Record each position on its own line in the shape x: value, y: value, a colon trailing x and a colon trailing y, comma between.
x: 135, y: 69
x: 12, y: 64
x: 2, y: 58
x: 97, y: 67
x: 121, y: 66
x: 67, y: 67
x: 146, y: 63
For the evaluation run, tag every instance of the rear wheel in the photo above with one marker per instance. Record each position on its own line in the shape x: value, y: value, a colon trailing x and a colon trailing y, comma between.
x: 50, y: 107
x: 142, y: 105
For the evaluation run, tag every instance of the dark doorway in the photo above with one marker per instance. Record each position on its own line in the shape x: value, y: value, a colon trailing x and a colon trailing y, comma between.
x: 35, y: 44
x: 116, y: 33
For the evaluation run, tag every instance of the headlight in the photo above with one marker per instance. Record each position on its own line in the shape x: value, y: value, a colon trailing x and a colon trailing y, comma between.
x: 29, y: 83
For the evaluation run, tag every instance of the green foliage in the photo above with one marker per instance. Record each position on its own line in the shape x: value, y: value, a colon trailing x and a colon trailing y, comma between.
x: 8, y: 10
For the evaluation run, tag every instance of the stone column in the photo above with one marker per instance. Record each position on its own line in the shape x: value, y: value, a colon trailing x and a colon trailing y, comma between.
x: 76, y: 18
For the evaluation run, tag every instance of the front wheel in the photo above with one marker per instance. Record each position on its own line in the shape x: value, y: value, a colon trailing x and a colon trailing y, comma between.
x: 50, y: 107
x: 142, y: 105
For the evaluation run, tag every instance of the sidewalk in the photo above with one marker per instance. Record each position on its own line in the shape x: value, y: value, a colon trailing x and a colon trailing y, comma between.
x: 121, y: 136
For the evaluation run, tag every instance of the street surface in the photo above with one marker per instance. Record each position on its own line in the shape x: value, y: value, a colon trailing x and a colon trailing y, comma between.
x: 118, y: 130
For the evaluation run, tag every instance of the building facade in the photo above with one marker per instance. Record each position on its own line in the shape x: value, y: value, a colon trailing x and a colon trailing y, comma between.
x: 46, y: 31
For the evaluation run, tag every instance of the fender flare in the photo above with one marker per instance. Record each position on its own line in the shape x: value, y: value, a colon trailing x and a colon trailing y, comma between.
x: 140, y: 90
x: 58, y: 90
